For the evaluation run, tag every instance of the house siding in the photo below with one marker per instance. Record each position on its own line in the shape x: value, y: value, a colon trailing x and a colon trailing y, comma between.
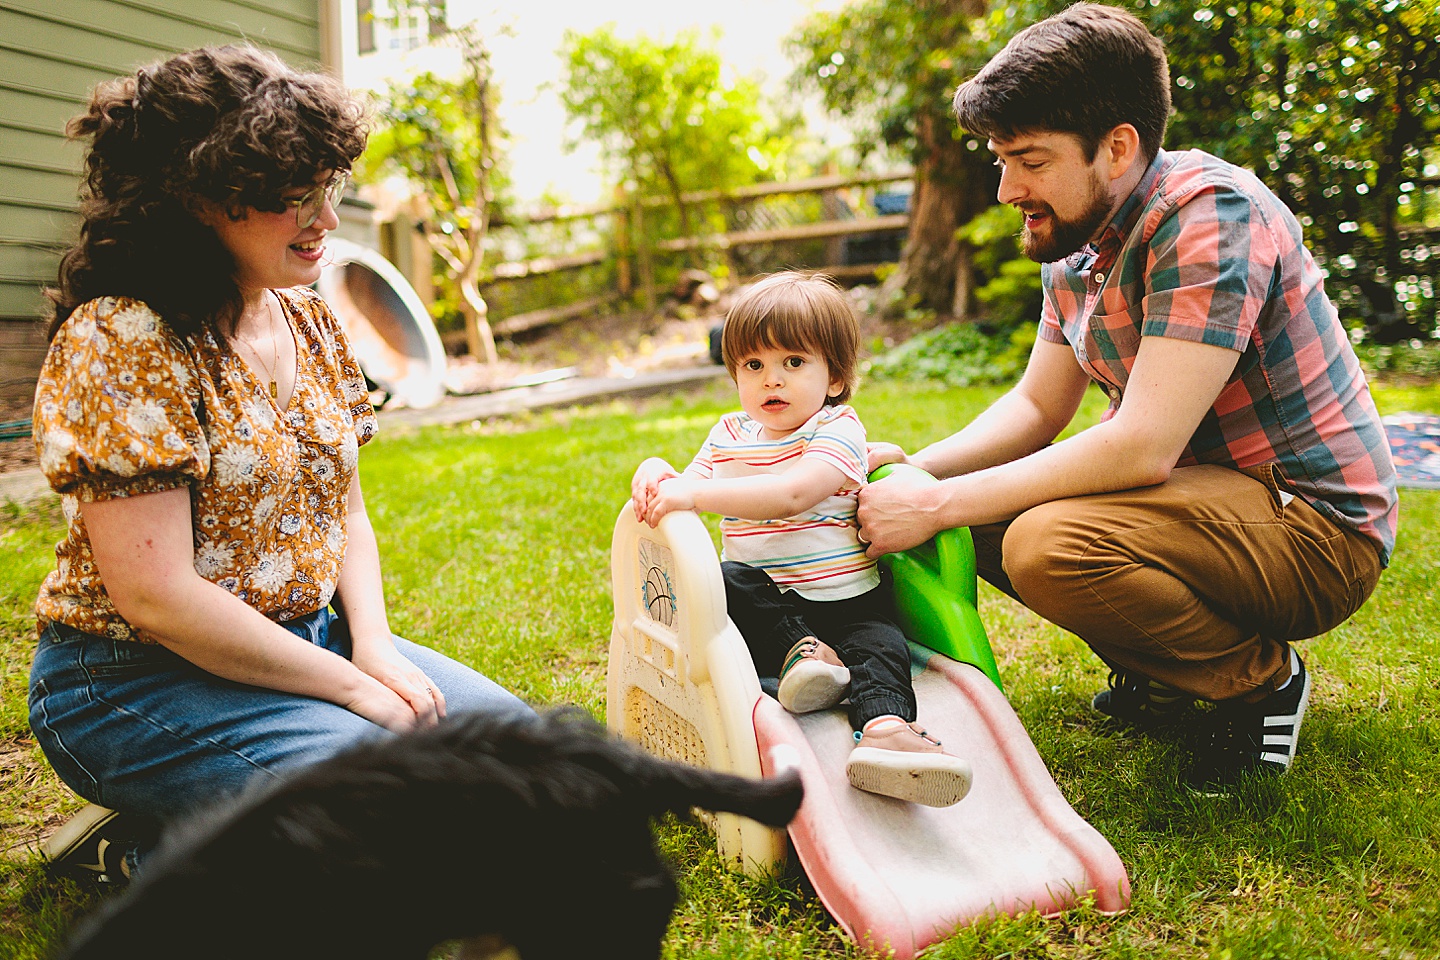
x: 51, y: 55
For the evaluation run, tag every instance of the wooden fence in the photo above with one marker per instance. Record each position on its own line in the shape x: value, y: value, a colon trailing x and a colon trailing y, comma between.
x: 723, y: 222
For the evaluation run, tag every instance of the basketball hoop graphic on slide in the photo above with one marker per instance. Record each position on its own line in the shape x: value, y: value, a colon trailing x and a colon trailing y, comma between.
x: 657, y: 587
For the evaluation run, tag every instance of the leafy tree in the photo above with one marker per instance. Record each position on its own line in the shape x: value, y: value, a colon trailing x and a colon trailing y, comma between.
x: 666, y: 116
x: 1331, y: 102
x: 891, y: 67
x: 1011, y: 293
x: 443, y: 133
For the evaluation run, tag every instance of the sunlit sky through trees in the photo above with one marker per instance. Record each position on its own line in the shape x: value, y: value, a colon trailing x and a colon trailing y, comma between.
x: 751, y: 41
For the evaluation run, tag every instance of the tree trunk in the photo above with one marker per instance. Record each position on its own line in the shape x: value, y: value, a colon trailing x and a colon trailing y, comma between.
x: 479, y: 338
x: 1388, y: 322
x: 952, y: 185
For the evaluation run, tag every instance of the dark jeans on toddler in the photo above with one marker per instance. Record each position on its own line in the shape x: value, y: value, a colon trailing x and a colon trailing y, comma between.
x: 861, y: 630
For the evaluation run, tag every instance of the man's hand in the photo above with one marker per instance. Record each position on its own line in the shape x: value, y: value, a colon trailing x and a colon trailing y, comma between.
x: 879, y: 454
x: 897, y: 513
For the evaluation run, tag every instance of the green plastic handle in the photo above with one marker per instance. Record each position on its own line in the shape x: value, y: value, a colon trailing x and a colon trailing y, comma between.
x: 936, y: 592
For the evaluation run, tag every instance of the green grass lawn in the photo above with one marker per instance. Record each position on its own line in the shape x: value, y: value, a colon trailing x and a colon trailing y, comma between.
x: 495, y: 540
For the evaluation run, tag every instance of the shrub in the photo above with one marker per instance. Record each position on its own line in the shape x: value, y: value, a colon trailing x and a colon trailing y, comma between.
x: 958, y: 355
x: 1416, y: 358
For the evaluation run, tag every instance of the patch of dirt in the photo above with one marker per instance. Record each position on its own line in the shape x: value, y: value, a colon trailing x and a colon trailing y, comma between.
x: 595, y: 346
x: 677, y: 335
x: 24, y: 773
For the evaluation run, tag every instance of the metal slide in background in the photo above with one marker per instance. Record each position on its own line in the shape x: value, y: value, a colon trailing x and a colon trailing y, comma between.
x: 386, y: 323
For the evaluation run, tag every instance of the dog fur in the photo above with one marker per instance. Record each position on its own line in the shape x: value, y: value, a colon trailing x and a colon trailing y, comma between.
x: 533, y: 831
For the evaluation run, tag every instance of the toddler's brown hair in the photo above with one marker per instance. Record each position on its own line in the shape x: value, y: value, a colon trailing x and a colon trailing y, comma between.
x: 796, y: 311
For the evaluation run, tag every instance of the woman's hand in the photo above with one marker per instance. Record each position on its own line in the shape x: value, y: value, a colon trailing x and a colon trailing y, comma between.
x: 380, y: 705
x: 379, y: 659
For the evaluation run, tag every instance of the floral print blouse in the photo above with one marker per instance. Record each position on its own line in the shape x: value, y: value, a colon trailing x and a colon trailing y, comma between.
x: 126, y: 407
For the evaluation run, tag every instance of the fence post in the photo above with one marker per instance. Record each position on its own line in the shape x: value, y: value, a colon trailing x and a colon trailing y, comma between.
x: 624, y: 283
x: 732, y: 253
x: 644, y: 262
x: 830, y: 207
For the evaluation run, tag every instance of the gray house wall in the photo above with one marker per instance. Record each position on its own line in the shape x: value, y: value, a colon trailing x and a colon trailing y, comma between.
x: 52, y: 52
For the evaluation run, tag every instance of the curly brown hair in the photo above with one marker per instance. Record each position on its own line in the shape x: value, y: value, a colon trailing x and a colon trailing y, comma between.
x: 229, y: 127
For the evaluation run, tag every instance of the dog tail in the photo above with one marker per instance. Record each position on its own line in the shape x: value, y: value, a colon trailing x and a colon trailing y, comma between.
x: 771, y: 800
x: 661, y: 786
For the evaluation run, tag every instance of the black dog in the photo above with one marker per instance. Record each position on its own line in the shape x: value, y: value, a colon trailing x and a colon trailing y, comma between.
x: 531, y: 831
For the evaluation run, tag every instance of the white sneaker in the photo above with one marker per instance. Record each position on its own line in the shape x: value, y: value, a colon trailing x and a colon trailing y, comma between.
x: 812, y: 678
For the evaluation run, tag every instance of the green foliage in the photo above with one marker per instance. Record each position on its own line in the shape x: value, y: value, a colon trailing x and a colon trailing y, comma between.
x: 1009, y: 281
x: 422, y: 120
x: 918, y: 47
x: 957, y: 355
x: 444, y: 134
x: 666, y: 115
x: 670, y: 119
x: 1416, y: 358
x: 1333, y: 103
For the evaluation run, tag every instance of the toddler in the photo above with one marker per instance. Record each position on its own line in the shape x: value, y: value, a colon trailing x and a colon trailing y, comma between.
x: 785, y: 474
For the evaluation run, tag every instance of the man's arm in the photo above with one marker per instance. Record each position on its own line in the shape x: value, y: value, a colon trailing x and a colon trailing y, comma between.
x: 1172, y: 386
x: 1022, y: 421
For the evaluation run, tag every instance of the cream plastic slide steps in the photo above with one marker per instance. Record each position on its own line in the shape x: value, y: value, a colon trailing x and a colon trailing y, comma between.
x: 895, y: 875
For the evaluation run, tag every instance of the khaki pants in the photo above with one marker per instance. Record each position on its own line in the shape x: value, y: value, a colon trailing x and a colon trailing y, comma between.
x: 1198, y: 582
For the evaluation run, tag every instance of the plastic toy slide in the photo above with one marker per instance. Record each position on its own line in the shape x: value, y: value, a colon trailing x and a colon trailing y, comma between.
x: 894, y: 875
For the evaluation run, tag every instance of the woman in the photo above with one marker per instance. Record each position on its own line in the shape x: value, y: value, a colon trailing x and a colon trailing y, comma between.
x: 201, y: 413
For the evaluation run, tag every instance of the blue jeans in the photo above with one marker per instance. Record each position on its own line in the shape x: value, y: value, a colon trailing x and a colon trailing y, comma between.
x: 139, y: 729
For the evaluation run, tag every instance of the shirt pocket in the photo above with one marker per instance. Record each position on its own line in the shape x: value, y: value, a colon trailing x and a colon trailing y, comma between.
x: 1109, y: 345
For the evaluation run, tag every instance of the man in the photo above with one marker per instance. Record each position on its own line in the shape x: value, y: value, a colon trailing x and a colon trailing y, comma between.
x: 1238, y: 493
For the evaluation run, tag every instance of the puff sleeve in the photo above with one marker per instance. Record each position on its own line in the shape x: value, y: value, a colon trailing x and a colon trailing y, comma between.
x: 117, y: 404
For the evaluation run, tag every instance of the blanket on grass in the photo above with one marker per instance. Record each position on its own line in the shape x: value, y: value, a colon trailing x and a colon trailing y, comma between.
x: 1415, y: 447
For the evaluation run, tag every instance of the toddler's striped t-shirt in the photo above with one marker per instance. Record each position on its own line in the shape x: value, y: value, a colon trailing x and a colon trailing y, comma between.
x: 817, y: 553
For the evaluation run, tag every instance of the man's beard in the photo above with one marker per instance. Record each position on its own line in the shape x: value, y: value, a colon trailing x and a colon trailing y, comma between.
x: 1067, y: 236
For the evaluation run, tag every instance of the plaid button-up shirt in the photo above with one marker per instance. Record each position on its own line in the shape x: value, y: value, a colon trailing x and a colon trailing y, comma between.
x: 1203, y: 251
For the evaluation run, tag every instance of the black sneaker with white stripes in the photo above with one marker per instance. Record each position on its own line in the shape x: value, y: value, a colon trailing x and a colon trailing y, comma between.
x: 96, y: 844
x: 1140, y: 701
x: 1252, y: 739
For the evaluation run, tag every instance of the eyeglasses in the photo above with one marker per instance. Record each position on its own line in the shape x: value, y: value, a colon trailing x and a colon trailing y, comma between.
x: 309, y: 207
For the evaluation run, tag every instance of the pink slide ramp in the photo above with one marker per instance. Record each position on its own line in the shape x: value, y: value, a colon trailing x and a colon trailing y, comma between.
x: 901, y: 876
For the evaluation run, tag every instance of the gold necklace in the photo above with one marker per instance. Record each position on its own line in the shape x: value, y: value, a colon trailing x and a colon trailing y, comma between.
x: 274, y: 368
